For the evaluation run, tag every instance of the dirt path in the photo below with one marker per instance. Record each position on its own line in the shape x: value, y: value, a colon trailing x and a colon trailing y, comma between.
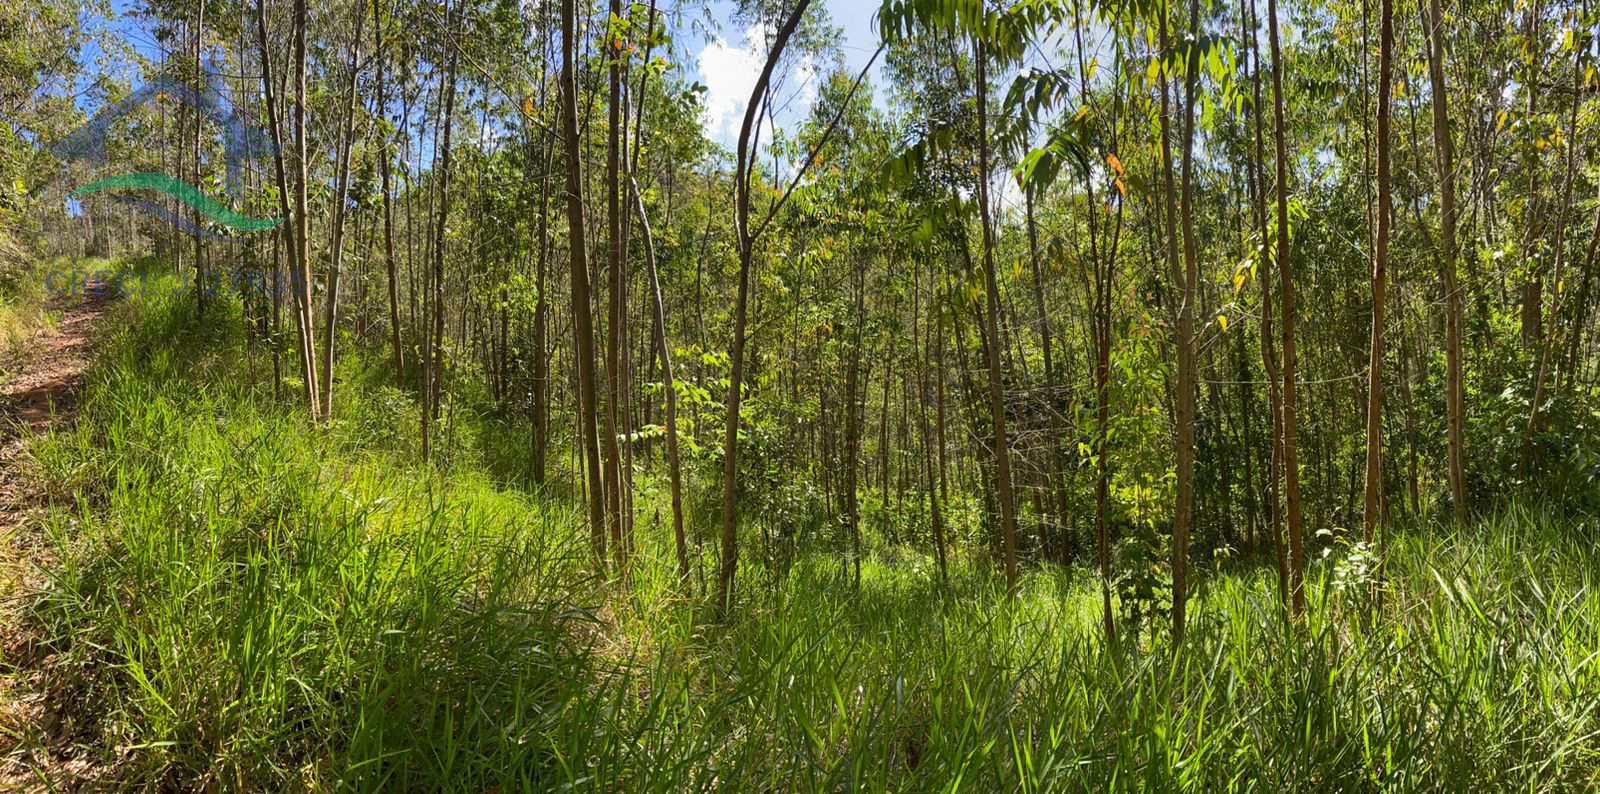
x: 42, y: 395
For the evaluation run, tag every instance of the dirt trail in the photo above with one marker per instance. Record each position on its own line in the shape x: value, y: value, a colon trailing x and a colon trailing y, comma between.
x: 42, y: 395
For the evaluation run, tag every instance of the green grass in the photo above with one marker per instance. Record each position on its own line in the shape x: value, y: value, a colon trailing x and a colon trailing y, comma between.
x: 248, y: 602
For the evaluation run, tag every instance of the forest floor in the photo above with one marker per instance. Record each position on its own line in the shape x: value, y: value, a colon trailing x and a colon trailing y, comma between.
x: 41, y: 393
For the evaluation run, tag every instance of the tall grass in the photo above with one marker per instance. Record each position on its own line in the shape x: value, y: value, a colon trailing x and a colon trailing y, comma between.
x: 249, y: 602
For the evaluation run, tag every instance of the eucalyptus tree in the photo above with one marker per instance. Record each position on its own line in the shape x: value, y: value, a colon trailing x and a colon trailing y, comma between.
x: 582, y: 322
x: 748, y: 236
x: 1380, y: 261
x: 1444, y: 147
x: 294, y: 229
x: 1290, y: 404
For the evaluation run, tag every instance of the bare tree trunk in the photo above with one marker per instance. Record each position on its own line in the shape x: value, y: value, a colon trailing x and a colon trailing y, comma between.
x: 615, y: 503
x: 583, y: 323
x: 200, y: 285
x: 1291, y: 454
x: 1269, y: 358
x: 997, y: 405
x: 852, y: 424
x: 664, y: 346
x: 541, y: 309
x: 384, y: 155
x: 435, y: 378
x: 928, y: 452
x: 308, y: 352
x: 541, y: 326
x: 1455, y: 406
x: 340, y: 193
x: 1533, y: 291
x: 1380, y: 262
x: 1188, y: 278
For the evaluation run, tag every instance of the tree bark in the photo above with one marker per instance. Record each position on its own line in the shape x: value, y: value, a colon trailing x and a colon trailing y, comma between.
x: 340, y: 193
x: 435, y: 379
x: 302, y: 245
x: 1455, y: 406
x: 1380, y: 263
x: 997, y: 406
x: 384, y: 165
x: 1183, y: 517
x: 583, y: 323
x: 1291, y: 454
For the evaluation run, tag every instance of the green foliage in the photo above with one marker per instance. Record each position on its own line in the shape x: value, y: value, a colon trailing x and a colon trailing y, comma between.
x: 248, y: 602
x: 1558, y: 464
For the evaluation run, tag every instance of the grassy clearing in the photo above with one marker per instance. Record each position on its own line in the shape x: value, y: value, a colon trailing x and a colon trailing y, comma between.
x: 248, y: 602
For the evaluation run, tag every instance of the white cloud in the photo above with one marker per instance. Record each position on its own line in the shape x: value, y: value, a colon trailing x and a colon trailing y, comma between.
x: 730, y: 73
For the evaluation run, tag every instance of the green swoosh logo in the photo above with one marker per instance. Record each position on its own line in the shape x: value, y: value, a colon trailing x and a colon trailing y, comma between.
x: 184, y: 192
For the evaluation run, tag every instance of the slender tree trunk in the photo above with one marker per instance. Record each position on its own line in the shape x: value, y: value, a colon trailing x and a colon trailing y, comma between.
x: 1188, y: 278
x: 928, y: 452
x: 200, y: 285
x: 286, y: 227
x: 658, y: 306
x: 1454, y: 401
x: 852, y: 424
x: 1291, y: 454
x: 997, y: 406
x: 308, y: 351
x: 614, y: 353
x: 747, y: 241
x: 541, y: 309
x: 384, y: 155
x: 1269, y: 358
x: 340, y: 194
x: 1533, y: 291
x: 1380, y: 262
x: 583, y: 324
x: 664, y: 346
x: 435, y: 377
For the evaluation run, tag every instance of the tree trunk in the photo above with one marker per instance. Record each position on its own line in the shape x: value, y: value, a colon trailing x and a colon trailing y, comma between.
x: 308, y: 351
x: 200, y: 285
x: 1454, y: 402
x: 1291, y: 454
x: 1183, y: 517
x: 615, y: 503
x: 852, y: 424
x: 997, y: 406
x: 340, y: 193
x: 583, y: 324
x: 746, y: 241
x: 1380, y: 263
x: 435, y: 379
x: 384, y: 155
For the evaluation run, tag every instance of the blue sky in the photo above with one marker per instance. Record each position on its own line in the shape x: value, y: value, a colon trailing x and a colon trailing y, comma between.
x: 726, y: 61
